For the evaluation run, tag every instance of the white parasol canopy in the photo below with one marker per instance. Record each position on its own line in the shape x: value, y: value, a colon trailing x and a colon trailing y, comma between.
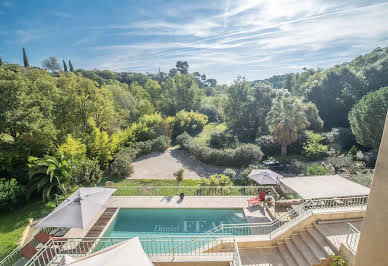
x: 265, y: 176
x: 128, y: 253
x: 79, y: 209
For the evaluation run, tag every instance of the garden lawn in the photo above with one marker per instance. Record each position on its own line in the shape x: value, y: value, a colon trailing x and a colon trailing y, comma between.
x: 203, y: 138
x: 12, y: 224
x: 156, y: 182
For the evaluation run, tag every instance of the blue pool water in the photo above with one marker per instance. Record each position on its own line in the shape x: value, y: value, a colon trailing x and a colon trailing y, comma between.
x: 171, y: 222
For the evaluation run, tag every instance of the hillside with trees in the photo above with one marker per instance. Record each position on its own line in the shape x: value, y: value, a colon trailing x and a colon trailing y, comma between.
x: 62, y: 127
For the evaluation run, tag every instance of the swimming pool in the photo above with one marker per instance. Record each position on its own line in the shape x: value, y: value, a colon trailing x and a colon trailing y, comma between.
x: 171, y: 222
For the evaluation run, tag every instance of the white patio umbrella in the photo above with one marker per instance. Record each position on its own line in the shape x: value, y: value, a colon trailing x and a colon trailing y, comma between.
x: 79, y: 209
x: 265, y: 176
x: 128, y: 253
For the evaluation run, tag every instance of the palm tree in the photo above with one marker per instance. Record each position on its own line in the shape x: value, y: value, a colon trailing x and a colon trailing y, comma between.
x: 46, y: 174
x: 285, y: 120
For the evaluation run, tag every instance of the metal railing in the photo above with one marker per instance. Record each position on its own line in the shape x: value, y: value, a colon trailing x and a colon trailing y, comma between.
x: 56, y: 248
x: 292, y: 217
x: 12, y: 257
x: 15, y: 255
x: 352, y: 238
x: 236, y: 255
x: 193, y: 190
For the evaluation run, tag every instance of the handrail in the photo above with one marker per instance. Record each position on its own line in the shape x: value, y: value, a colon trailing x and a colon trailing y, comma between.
x: 236, y: 255
x: 352, y: 238
x: 12, y: 257
x: 303, y: 211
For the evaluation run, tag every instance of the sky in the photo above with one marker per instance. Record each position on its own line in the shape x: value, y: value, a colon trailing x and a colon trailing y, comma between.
x: 222, y: 39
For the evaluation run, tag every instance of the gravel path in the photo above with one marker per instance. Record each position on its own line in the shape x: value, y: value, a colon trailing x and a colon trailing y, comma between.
x: 163, y: 165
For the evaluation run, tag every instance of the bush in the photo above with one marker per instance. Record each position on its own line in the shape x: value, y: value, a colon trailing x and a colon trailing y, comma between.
x: 230, y: 173
x: 340, y: 138
x: 179, y: 175
x: 345, y: 164
x: 161, y: 144
x: 313, y: 148
x: 268, y: 145
x: 243, y: 155
x: 190, y: 122
x: 216, y: 180
x: 212, y: 112
x: 220, y: 140
x: 85, y: 173
x: 296, y: 167
x: 11, y: 193
x: 121, y: 166
x: 315, y: 169
x: 369, y: 158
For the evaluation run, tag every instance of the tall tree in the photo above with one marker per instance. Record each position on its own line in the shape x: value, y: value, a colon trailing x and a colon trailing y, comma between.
x: 367, y: 118
x: 182, y: 66
x: 71, y: 66
x: 25, y: 59
x: 64, y: 66
x: 1, y: 62
x: 285, y: 120
x: 51, y: 64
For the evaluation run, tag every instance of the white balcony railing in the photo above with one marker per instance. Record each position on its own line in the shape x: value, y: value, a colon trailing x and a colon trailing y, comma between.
x: 352, y: 238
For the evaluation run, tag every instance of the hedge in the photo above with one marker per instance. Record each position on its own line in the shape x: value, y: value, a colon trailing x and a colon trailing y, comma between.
x: 244, y: 155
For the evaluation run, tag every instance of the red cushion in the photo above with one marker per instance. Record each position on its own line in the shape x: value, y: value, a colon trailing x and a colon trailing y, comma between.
x: 28, y: 251
x: 42, y: 237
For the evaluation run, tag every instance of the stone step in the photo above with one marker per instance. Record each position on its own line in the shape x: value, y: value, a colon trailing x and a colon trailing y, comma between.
x: 261, y: 257
x: 313, y: 245
x: 304, y: 249
x: 298, y: 257
x: 286, y: 255
x: 320, y: 240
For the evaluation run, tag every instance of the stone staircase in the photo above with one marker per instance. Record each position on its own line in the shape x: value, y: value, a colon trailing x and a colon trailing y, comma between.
x: 308, y: 247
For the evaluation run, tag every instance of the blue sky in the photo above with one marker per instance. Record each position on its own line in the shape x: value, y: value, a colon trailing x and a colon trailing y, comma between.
x: 223, y: 39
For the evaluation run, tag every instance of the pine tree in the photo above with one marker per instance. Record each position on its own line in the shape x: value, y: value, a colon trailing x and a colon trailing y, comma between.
x: 71, y: 67
x: 64, y: 66
x: 25, y: 59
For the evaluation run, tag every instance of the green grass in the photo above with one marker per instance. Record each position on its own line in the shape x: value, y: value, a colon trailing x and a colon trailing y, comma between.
x: 13, y: 223
x: 155, y: 182
x: 203, y: 138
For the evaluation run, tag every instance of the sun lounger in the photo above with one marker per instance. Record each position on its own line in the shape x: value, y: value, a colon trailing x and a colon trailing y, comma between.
x: 258, y: 199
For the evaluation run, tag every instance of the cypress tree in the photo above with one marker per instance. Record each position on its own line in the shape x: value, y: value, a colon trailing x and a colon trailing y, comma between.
x: 71, y: 67
x: 64, y: 66
x: 1, y: 62
x: 25, y: 59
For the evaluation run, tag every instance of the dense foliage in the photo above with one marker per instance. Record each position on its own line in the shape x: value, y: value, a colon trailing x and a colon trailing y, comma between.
x: 367, y: 118
x: 76, y: 127
x: 241, y: 156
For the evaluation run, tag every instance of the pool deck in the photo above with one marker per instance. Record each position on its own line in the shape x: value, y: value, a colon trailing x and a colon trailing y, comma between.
x: 256, y: 214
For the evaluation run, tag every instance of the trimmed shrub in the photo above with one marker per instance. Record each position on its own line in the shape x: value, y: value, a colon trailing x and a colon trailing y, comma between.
x: 161, y: 144
x: 216, y: 180
x: 268, y: 145
x: 121, y: 166
x: 243, y: 155
x: 220, y: 140
x: 11, y: 193
x: 85, y: 172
